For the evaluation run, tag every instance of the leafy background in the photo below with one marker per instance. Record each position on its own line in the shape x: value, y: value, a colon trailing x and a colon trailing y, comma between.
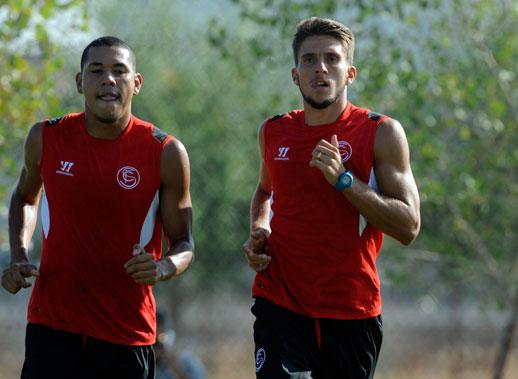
x: 213, y: 71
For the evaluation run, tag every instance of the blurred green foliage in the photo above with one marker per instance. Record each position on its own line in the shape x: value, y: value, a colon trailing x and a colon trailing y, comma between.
x: 213, y: 71
x: 28, y: 60
x: 445, y: 69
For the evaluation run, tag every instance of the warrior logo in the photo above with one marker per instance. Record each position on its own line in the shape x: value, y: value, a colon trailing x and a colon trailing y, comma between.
x: 282, y: 156
x: 65, y: 168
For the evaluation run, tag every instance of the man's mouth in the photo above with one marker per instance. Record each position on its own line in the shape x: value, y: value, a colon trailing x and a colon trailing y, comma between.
x: 320, y: 84
x: 108, y: 97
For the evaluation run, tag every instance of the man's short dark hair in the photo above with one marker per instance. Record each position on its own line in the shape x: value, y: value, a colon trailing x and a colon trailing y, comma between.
x: 316, y: 26
x: 108, y: 41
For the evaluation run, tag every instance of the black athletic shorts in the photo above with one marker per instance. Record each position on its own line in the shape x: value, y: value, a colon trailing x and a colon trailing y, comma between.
x: 55, y: 354
x: 290, y: 345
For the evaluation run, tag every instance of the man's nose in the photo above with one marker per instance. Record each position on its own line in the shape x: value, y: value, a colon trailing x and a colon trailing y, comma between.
x: 320, y: 66
x: 108, y: 78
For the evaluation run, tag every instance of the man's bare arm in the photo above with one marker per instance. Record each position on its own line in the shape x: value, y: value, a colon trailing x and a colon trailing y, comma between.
x: 255, y: 247
x: 395, y: 209
x: 176, y: 213
x: 23, y: 214
x: 176, y: 209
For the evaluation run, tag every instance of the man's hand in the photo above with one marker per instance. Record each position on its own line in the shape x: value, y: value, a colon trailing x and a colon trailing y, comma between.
x: 13, y: 277
x: 143, y: 267
x: 326, y: 157
x: 255, y: 250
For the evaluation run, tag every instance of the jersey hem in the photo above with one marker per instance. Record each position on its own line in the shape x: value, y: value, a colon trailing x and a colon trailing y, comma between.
x: 146, y: 342
x: 319, y: 315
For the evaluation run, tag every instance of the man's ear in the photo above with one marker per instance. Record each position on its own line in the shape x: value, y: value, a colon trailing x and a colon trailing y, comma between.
x: 79, y: 82
x: 138, y: 83
x: 351, y: 75
x: 295, y: 76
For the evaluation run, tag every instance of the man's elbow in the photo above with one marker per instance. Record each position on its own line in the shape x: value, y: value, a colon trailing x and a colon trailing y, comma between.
x: 410, y: 233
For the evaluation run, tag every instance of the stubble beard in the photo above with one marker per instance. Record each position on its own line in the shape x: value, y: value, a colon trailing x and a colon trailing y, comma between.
x: 106, y: 119
x: 319, y: 105
x: 109, y: 116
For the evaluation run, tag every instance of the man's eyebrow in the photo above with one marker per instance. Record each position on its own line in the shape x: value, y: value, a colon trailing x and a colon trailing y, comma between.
x: 119, y: 65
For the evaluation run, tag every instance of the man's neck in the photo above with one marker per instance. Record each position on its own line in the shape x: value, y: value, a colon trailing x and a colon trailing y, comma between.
x: 102, y: 130
x: 328, y: 115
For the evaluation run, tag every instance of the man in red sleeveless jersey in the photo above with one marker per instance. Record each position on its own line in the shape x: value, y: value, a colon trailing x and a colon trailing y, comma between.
x: 109, y: 185
x: 333, y: 179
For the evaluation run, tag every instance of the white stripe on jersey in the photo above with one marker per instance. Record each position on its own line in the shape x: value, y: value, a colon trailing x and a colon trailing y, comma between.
x: 374, y: 185
x: 45, y: 215
x: 146, y: 233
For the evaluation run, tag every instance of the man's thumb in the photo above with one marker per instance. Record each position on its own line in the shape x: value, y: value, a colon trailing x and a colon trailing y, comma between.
x: 27, y: 271
x: 334, y: 140
x: 258, y: 236
x: 137, y: 249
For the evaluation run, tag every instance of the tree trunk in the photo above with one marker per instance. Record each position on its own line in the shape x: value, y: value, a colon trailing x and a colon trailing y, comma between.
x: 456, y: 334
x: 506, y: 339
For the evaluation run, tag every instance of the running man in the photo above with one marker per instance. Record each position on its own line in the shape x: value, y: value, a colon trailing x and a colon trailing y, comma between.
x: 109, y: 185
x: 333, y: 179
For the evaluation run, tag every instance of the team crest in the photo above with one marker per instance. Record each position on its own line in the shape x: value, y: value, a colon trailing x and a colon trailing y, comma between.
x: 128, y: 177
x: 346, y: 150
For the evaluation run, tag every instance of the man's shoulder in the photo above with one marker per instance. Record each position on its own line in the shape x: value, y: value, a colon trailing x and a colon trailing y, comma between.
x: 60, y: 120
x: 283, y: 118
x: 367, y: 114
x: 375, y: 116
x: 158, y: 134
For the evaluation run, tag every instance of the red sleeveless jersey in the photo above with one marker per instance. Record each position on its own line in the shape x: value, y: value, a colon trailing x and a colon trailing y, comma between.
x: 100, y: 198
x: 323, y: 253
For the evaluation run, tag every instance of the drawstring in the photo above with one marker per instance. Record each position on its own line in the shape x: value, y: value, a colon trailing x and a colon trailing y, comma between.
x: 317, y: 331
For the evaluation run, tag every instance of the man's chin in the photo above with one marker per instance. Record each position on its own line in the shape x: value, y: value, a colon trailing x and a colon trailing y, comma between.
x: 107, y: 119
x: 322, y: 104
x: 108, y: 116
x: 319, y: 104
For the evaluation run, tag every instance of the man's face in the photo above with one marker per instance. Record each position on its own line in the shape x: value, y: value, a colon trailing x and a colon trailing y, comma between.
x: 322, y: 72
x: 108, y: 82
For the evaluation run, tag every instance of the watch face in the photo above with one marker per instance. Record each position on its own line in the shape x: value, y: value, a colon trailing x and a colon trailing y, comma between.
x: 345, y: 180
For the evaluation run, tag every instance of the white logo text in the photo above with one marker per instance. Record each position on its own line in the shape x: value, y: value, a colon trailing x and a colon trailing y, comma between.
x: 65, y: 168
x: 283, y: 152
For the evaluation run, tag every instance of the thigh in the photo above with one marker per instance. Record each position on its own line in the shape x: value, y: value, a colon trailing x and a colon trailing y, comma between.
x: 350, y: 348
x: 285, y: 342
x: 51, y: 353
x: 108, y: 360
